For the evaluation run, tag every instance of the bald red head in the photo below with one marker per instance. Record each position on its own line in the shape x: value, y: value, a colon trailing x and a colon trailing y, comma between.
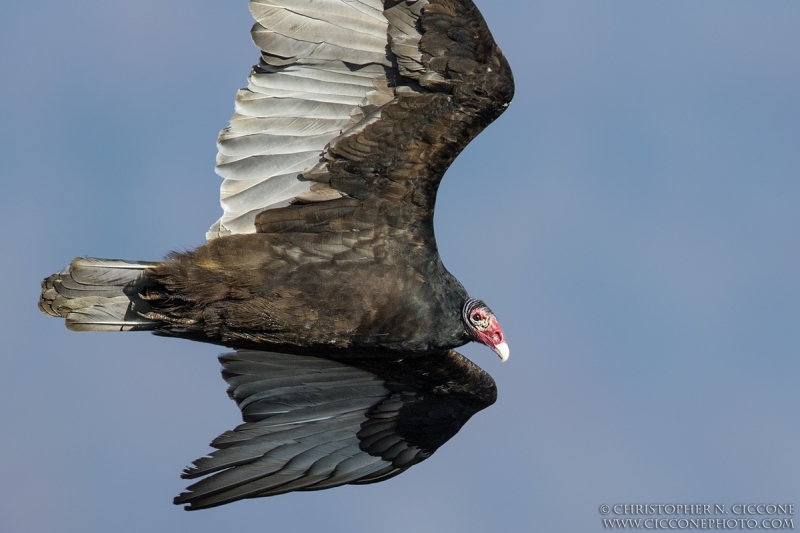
x: 482, y: 326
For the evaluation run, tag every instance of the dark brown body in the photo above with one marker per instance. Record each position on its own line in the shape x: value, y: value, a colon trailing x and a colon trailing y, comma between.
x: 263, y: 290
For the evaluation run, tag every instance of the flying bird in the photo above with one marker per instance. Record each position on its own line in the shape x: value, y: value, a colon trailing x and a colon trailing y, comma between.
x: 323, y: 273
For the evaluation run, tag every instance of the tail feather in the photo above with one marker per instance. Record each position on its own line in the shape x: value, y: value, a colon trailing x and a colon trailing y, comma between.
x: 99, y: 295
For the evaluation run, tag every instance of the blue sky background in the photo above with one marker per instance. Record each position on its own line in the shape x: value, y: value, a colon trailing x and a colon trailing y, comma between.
x: 638, y: 236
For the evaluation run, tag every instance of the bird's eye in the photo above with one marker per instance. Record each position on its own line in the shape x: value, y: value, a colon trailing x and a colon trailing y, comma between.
x: 477, y: 317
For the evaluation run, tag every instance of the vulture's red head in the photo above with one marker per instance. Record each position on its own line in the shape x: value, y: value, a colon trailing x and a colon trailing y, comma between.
x: 482, y: 326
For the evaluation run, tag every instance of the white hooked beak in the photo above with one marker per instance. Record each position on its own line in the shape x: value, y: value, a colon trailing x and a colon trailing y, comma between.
x: 501, y: 350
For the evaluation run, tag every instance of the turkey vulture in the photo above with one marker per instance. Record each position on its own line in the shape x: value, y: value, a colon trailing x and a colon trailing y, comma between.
x: 323, y: 272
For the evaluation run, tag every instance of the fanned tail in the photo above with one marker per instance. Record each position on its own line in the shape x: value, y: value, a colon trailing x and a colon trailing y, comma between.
x: 99, y: 295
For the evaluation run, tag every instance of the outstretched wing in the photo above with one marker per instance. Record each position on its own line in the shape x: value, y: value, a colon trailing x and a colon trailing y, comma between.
x: 313, y: 423
x: 354, y: 113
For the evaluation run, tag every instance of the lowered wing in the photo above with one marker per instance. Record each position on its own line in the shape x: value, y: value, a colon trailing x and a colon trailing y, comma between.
x: 313, y: 423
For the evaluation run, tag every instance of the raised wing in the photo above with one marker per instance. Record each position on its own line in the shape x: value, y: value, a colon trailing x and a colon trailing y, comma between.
x: 361, y: 101
x: 313, y: 423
